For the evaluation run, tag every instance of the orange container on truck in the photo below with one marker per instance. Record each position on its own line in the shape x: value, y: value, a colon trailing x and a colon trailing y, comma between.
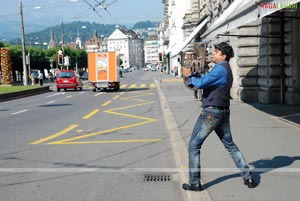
x: 103, y: 70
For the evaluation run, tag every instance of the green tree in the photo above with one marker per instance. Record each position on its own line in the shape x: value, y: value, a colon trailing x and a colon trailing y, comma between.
x: 40, y: 58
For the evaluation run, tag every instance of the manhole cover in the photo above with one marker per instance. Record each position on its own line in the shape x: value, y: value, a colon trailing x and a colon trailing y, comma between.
x: 157, y: 178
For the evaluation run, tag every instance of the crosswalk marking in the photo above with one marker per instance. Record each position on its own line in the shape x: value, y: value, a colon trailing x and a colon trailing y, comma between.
x: 143, y: 85
x: 152, y: 85
x: 132, y: 86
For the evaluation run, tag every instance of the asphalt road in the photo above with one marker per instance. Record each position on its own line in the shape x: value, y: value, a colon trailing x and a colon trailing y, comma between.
x: 84, y: 145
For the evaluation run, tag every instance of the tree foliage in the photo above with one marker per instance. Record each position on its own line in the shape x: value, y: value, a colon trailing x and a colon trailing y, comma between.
x: 144, y: 25
x: 40, y: 58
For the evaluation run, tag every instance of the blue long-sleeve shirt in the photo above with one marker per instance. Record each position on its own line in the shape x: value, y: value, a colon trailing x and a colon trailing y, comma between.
x: 216, y: 77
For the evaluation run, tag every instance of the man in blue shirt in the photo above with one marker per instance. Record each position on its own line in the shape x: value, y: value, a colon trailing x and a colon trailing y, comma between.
x: 216, y: 87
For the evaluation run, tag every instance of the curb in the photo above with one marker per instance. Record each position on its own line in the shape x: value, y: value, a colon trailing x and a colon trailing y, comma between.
x: 23, y: 93
x: 178, y: 144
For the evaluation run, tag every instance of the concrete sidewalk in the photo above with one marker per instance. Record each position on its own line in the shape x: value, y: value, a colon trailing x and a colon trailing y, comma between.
x: 268, y: 136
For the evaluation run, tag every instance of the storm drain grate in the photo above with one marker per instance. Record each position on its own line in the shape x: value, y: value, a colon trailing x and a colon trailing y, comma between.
x: 157, y: 178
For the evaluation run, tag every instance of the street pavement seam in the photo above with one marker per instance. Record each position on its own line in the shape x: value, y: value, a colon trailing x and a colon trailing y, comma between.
x: 178, y: 144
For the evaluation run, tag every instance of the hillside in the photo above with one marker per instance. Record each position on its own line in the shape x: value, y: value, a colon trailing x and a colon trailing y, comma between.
x: 72, y: 29
x: 70, y: 32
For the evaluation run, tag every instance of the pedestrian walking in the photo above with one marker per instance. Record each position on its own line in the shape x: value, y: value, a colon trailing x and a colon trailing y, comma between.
x: 214, y: 116
x: 176, y: 71
x: 41, y: 77
x: 50, y: 77
x: 32, y: 76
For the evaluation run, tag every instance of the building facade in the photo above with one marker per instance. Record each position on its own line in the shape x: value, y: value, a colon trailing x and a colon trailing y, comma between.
x: 52, y: 43
x: 265, y: 38
x: 151, y: 49
x: 128, y: 45
x: 94, y: 43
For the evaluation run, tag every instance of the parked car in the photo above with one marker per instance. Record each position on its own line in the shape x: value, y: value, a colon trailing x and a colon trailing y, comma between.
x: 68, y: 79
x: 85, y: 76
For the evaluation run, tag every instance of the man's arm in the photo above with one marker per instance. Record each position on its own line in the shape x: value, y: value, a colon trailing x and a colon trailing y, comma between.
x: 216, y: 77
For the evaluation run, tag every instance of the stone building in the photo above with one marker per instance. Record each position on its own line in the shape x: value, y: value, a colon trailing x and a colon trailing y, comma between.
x: 128, y: 45
x: 151, y: 49
x: 52, y: 43
x: 94, y: 43
x: 265, y: 37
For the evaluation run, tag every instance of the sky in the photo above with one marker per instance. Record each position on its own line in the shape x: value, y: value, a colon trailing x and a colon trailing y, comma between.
x: 53, y: 12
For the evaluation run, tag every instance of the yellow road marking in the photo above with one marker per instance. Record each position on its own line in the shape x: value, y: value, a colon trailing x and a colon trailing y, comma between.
x: 137, y: 96
x: 172, y: 80
x: 132, y: 86
x: 152, y: 85
x: 100, y: 132
x: 112, y: 141
x: 91, y: 114
x: 132, y: 116
x: 129, y: 106
x: 64, y: 131
x: 116, y: 97
x: 106, y: 103
x: 124, y: 86
x: 111, y: 111
x: 143, y: 86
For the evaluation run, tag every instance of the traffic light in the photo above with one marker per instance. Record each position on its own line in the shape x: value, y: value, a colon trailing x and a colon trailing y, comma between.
x: 60, y: 59
x: 160, y: 56
x: 66, y: 60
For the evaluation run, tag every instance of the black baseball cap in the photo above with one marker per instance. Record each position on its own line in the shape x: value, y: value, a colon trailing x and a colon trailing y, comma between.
x: 225, y: 48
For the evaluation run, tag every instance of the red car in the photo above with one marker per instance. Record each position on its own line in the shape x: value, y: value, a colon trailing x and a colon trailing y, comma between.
x: 68, y: 79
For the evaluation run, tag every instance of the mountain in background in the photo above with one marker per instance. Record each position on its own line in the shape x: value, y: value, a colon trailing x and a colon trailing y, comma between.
x: 11, y: 31
x: 145, y: 25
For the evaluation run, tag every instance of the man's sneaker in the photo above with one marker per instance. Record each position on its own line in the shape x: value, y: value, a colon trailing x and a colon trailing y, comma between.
x: 250, y: 183
x: 192, y: 187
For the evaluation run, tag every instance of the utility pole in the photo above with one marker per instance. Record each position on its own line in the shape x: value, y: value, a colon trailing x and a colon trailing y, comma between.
x: 25, y: 81
x: 62, y: 37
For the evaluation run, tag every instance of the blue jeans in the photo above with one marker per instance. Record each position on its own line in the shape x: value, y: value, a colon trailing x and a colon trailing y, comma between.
x: 218, y: 121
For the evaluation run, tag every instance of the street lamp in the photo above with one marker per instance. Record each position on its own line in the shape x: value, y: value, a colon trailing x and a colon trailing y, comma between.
x: 83, y: 38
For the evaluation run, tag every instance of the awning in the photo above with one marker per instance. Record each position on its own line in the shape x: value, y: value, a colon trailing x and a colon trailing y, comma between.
x: 188, y: 40
x: 241, y: 12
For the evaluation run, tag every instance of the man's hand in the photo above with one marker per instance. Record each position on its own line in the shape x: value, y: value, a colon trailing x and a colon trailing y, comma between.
x: 186, y: 72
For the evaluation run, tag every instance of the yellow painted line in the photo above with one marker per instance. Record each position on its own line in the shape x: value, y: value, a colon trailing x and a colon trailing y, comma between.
x: 134, y: 97
x: 140, y: 92
x: 106, y: 103
x: 132, y: 86
x: 113, y: 141
x: 152, y: 85
x: 129, y: 106
x: 111, y: 111
x: 123, y: 86
x: 55, y: 135
x: 100, y: 132
x: 90, y: 114
x: 79, y: 131
x: 143, y: 86
x: 172, y: 80
x: 116, y: 97
x: 122, y: 93
x: 131, y: 116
